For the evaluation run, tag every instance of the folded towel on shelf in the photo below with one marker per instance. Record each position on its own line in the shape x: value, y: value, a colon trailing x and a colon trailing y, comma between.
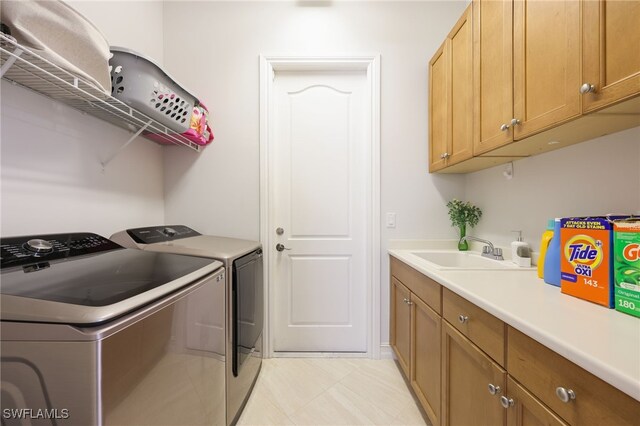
x: 60, y: 34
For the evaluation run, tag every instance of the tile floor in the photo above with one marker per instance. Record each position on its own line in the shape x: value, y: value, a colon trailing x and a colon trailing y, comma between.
x: 330, y: 391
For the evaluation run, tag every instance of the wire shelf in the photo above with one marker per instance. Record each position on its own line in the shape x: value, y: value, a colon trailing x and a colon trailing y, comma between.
x: 22, y: 66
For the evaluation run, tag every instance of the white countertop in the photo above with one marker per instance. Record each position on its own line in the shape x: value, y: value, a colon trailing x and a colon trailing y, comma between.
x: 600, y: 340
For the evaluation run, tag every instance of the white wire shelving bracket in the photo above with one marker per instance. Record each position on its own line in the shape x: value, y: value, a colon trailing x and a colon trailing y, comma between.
x: 22, y: 66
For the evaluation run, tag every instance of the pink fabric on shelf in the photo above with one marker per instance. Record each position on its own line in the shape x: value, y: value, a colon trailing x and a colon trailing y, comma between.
x: 199, y: 132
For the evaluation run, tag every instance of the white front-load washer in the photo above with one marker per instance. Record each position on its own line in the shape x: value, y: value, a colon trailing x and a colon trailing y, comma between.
x: 243, y: 262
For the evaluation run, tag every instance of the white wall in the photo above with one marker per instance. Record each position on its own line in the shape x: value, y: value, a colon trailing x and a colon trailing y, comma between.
x: 597, y: 177
x: 138, y: 25
x: 218, y: 191
x: 51, y: 178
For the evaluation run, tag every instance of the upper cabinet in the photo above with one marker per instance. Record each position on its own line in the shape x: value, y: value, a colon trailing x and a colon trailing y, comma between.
x: 546, y: 65
x: 493, y: 74
x: 545, y: 74
x: 527, y: 68
x: 611, y: 60
x: 450, y: 100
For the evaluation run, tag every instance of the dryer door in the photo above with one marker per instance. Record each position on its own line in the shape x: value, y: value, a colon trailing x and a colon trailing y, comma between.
x: 248, y: 305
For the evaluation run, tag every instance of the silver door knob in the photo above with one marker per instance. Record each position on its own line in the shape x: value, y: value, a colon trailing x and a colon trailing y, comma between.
x: 515, y: 121
x: 493, y: 389
x: 506, y: 402
x: 279, y: 231
x: 281, y: 247
x: 463, y: 318
x: 565, y: 395
x: 504, y: 127
x: 587, y: 88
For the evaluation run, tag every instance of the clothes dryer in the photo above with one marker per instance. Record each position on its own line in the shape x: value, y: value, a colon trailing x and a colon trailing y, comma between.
x: 243, y: 262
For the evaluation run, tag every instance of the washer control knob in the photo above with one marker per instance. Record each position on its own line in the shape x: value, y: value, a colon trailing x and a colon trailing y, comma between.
x: 169, y: 232
x: 39, y: 246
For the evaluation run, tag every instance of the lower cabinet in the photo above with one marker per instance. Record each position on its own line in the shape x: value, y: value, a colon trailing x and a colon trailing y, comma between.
x: 574, y: 394
x: 400, y: 323
x: 425, y: 356
x: 471, y: 383
x: 416, y: 334
x: 467, y: 367
x: 524, y: 409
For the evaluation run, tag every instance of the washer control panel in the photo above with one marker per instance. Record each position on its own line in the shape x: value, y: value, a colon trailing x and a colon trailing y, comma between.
x: 19, y: 251
x: 160, y: 234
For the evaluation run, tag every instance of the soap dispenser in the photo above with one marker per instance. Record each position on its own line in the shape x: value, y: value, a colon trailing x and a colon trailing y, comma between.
x: 520, y: 252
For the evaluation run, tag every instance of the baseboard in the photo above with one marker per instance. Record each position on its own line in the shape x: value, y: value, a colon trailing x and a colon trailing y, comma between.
x: 320, y: 355
x: 385, y: 351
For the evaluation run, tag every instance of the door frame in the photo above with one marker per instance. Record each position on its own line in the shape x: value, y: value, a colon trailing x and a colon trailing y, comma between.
x: 371, y: 64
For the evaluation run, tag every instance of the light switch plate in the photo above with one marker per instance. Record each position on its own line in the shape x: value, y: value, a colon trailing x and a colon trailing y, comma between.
x: 391, y: 220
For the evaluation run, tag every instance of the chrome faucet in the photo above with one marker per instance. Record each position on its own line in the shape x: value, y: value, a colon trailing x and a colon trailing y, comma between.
x: 488, y: 250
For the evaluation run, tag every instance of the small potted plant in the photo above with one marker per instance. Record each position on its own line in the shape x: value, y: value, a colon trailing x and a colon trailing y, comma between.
x: 461, y: 215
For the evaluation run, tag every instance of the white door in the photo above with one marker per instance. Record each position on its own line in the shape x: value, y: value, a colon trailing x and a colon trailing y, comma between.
x: 318, y: 174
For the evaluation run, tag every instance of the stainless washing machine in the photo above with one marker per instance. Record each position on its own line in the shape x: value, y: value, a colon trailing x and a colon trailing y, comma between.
x: 242, y: 260
x: 96, y: 334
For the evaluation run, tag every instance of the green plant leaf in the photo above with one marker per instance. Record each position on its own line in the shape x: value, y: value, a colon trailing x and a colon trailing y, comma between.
x: 463, y: 213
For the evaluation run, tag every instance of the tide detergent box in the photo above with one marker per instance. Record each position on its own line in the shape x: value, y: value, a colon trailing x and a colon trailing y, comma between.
x: 626, y: 264
x: 586, y: 260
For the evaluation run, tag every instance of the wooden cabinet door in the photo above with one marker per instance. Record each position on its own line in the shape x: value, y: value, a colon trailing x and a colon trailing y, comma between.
x: 400, y: 323
x: 493, y: 74
x: 525, y: 410
x: 546, y: 64
x: 461, y: 47
x: 466, y: 375
x: 439, y: 106
x: 611, y: 56
x: 425, y: 357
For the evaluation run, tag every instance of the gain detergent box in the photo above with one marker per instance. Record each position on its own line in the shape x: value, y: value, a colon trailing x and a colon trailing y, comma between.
x: 586, y: 258
x: 626, y: 264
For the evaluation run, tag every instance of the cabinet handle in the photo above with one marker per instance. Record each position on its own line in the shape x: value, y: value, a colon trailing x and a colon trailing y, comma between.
x: 507, y: 402
x: 407, y: 301
x: 445, y: 156
x: 504, y: 127
x: 565, y: 395
x: 463, y: 318
x: 587, y: 88
x: 515, y: 121
x: 493, y: 389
